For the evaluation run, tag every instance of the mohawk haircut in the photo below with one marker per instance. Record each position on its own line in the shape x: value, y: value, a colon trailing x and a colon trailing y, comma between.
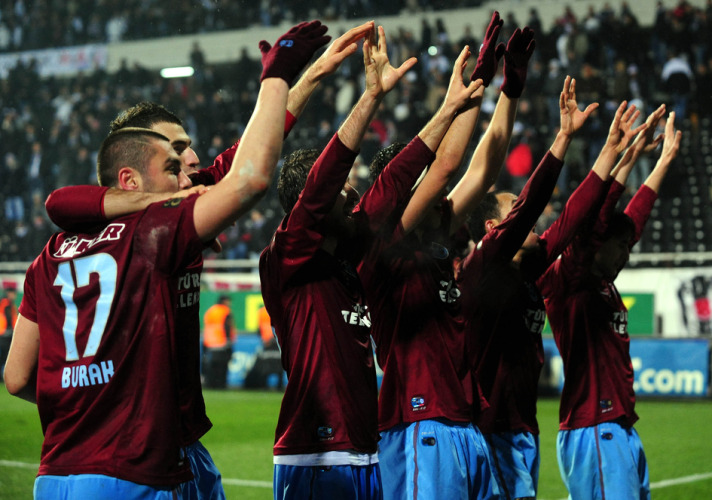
x: 127, y: 147
x: 145, y: 114
x: 293, y: 176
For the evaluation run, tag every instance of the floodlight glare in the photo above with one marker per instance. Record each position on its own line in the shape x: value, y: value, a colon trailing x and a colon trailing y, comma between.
x: 177, y: 72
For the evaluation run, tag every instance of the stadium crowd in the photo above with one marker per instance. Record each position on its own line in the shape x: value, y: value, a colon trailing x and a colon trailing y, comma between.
x: 52, y: 128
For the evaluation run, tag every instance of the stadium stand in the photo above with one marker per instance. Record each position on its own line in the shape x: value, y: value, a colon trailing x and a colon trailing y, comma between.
x: 51, y: 126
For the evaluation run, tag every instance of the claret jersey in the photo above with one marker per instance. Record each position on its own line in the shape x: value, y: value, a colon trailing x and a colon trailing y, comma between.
x: 318, y: 308
x: 107, y: 393
x: 589, y: 321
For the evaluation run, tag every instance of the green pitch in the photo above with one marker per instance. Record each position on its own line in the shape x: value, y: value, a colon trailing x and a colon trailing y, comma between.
x: 676, y: 436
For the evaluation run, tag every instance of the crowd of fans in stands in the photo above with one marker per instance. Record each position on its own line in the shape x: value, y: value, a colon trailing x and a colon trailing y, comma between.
x: 51, y: 128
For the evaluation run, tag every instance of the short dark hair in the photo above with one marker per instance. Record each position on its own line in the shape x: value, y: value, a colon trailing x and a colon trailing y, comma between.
x: 620, y: 225
x: 293, y: 176
x: 487, y: 209
x: 383, y: 158
x: 126, y: 147
x: 145, y: 114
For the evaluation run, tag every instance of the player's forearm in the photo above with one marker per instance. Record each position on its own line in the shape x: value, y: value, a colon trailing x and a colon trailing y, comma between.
x: 604, y: 163
x: 354, y: 127
x: 655, y: 179
x: 499, y: 131
x: 300, y: 93
x: 434, y: 131
x: 448, y: 159
x: 28, y: 392
x: 453, y: 146
x: 21, y: 366
x: 560, y: 145
x: 73, y: 208
x: 486, y: 161
x: 118, y: 202
x: 492, y: 149
x: 253, y: 166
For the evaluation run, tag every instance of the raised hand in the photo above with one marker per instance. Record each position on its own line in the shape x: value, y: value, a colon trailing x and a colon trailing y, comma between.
x: 621, y: 131
x: 516, y: 59
x: 339, y: 50
x: 649, y: 143
x: 644, y: 141
x: 572, y: 118
x: 458, y: 95
x: 292, y: 51
x: 381, y: 77
x: 671, y: 146
x: 490, y: 53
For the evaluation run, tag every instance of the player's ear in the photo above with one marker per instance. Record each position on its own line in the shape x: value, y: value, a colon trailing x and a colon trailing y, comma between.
x: 129, y: 179
x: 490, y: 224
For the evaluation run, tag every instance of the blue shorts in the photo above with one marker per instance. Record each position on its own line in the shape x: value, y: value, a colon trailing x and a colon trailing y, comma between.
x: 435, y: 459
x: 516, y: 460
x: 327, y: 482
x: 603, y: 461
x: 98, y: 487
x: 207, y: 483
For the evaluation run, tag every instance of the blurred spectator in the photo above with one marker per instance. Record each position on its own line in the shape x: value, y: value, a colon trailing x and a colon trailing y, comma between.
x: 8, y: 317
x: 678, y: 78
x: 219, y: 333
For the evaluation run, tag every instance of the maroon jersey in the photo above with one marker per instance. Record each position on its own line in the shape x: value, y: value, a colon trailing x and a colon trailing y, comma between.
x: 318, y: 309
x: 107, y: 390
x: 510, y: 315
x: 79, y: 207
x: 418, y: 329
x: 505, y: 312
x: 589, y: 322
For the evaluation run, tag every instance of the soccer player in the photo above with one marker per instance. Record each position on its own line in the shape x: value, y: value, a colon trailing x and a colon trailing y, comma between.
x: 327, y: 433
x: 79, y: 206
x: 505, y: 308
x: 101, y: 360
x: 599, y: 452
x: 429, y: 447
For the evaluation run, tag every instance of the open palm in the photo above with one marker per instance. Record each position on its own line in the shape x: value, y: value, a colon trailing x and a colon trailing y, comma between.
x: 381, y: 76
x: 572, y: 118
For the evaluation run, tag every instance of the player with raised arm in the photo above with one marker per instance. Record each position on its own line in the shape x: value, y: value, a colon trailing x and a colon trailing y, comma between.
x: 327, y: 431
x: 506, y: 310
x: 102, y: 361
x: 599, y: 452
x: 82, y: 206
x: 429, y: 447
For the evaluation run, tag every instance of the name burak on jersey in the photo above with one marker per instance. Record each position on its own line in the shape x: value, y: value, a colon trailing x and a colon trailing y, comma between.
x: 87, y: 375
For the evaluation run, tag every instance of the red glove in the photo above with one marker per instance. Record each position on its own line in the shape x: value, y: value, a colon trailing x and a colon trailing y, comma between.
x: 490, y: 52
x: 519, y: 49
x: 292, y: 51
